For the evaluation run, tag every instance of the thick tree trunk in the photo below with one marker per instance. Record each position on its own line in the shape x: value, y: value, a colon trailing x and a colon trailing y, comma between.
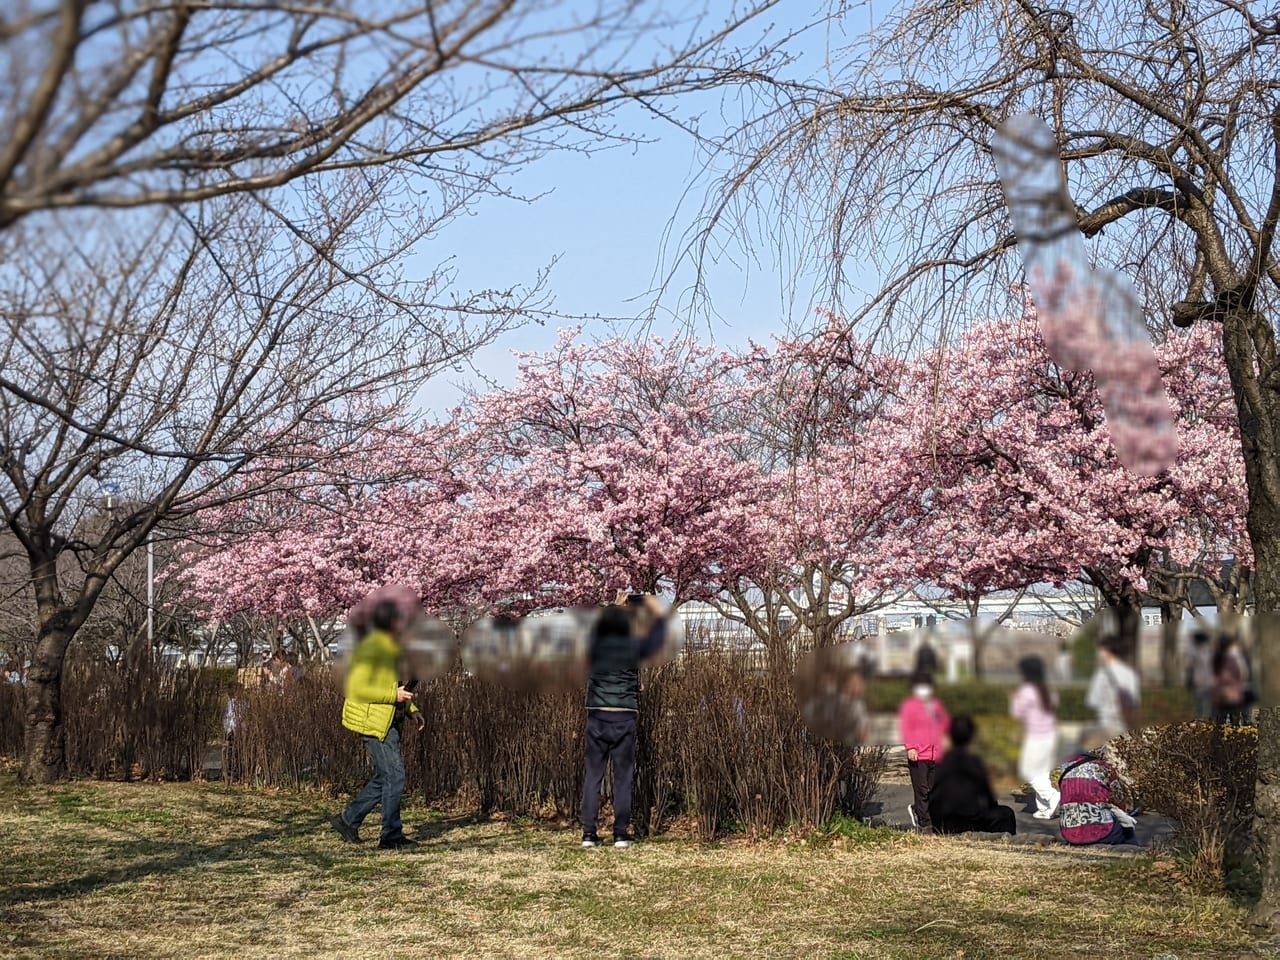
x: 1170, y: 658
x: 1127, y: 605
x: 1266, y: 825
x: 45, y: 758
x: 1249, y: 346
x: 978, y: 637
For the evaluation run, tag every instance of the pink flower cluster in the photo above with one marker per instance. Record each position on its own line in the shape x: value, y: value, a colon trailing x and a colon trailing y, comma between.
x: 668, y: 466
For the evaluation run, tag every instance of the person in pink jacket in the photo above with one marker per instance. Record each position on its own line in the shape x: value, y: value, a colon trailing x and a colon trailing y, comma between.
x: 922, y: 723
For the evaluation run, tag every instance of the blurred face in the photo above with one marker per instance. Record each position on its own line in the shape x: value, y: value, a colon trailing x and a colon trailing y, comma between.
x: 853, y: 685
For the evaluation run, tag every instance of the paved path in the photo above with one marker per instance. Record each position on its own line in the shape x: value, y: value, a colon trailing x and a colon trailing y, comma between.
x: 890, y: 804
x: 889, y: 808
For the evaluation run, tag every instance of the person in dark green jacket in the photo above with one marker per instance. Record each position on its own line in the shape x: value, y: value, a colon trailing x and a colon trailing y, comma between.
x: 375, y: 706
x: 622, y: 638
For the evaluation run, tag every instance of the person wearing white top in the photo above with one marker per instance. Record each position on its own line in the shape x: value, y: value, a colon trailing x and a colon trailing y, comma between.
x: 1035, y: 705
x: 1112, y: 681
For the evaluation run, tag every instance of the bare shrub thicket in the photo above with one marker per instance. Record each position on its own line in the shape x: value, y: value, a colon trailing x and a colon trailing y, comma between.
x: 730, y: 748
x: 139, y: 719
x: 718, y: 743
x: 13, y: 706
x: 1203, y: 775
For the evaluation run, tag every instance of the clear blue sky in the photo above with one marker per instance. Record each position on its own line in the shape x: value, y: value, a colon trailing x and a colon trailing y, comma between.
x: 615, y: 219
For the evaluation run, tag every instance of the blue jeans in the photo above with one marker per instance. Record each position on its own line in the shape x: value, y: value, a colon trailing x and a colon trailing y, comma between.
x: 386, y: 787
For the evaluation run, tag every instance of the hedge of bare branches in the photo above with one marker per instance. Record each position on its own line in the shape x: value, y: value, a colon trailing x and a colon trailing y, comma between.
x: 717, y: 743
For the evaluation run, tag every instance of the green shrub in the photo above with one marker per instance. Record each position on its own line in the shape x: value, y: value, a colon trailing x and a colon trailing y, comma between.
x: 986, y: 698
x: 998, y: 742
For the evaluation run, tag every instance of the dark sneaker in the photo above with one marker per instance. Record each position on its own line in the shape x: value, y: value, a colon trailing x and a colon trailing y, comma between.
x: 349, y: 833
x: 621, y: 842
x: 590, y: 840
x: 397, y: 843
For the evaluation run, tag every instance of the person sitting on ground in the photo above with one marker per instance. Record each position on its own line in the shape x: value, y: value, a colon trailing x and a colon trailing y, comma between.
x: 962, y: 800
x: 1088, y: 787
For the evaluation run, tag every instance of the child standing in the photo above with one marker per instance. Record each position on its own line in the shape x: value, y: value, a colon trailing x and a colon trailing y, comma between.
x: 1035, y: 705
x: 923, y: 722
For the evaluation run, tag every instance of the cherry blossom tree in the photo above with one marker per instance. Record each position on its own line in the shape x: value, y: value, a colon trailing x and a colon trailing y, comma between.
x: 807, y: 411
x: 599, y: 470
x: 379, y: 511
x: 603, y: 470
x: 1019, y: 483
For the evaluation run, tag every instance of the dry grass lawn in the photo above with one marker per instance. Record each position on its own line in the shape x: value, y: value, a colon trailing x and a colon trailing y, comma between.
x: 98, y: 870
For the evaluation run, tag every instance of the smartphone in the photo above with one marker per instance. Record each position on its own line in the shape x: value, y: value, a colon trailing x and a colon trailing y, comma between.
x: 412, y: 685
x: 635, y: 599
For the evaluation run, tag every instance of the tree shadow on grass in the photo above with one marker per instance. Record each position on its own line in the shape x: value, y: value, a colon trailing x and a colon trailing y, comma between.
x: 504, y: 833
x: 148, y: 858
x: 142, y: 857
x: 435, y: 829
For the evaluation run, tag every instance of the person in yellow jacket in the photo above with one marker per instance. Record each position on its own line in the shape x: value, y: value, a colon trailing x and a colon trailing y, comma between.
x: 375, y: 705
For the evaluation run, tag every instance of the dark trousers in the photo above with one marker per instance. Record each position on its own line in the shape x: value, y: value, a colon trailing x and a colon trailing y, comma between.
x: 611, y: 735
x: 921, y: 772
x: 1234, y: 716
x: 386, y: 787
x: 994, y: 820
x: 1119, y: 834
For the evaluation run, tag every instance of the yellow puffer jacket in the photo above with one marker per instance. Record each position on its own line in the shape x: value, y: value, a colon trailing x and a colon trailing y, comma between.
x: 372, y: 677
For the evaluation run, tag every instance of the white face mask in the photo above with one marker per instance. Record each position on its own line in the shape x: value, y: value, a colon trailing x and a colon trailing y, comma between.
x: 922, y: 690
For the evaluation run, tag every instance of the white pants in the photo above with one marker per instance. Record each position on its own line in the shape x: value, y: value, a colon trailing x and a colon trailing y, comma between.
x: 1035, y: 763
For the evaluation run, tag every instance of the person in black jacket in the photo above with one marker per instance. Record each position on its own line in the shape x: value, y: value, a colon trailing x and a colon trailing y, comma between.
x: 628, y: 631
x: 962, y: 799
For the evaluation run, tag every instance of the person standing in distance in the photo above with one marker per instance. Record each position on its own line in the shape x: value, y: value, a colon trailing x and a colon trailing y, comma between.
x: 375, y: 705
x: 1035, y: 706
x: 628, y: 631
x: 923, y: 724
x: 1114, y: 693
